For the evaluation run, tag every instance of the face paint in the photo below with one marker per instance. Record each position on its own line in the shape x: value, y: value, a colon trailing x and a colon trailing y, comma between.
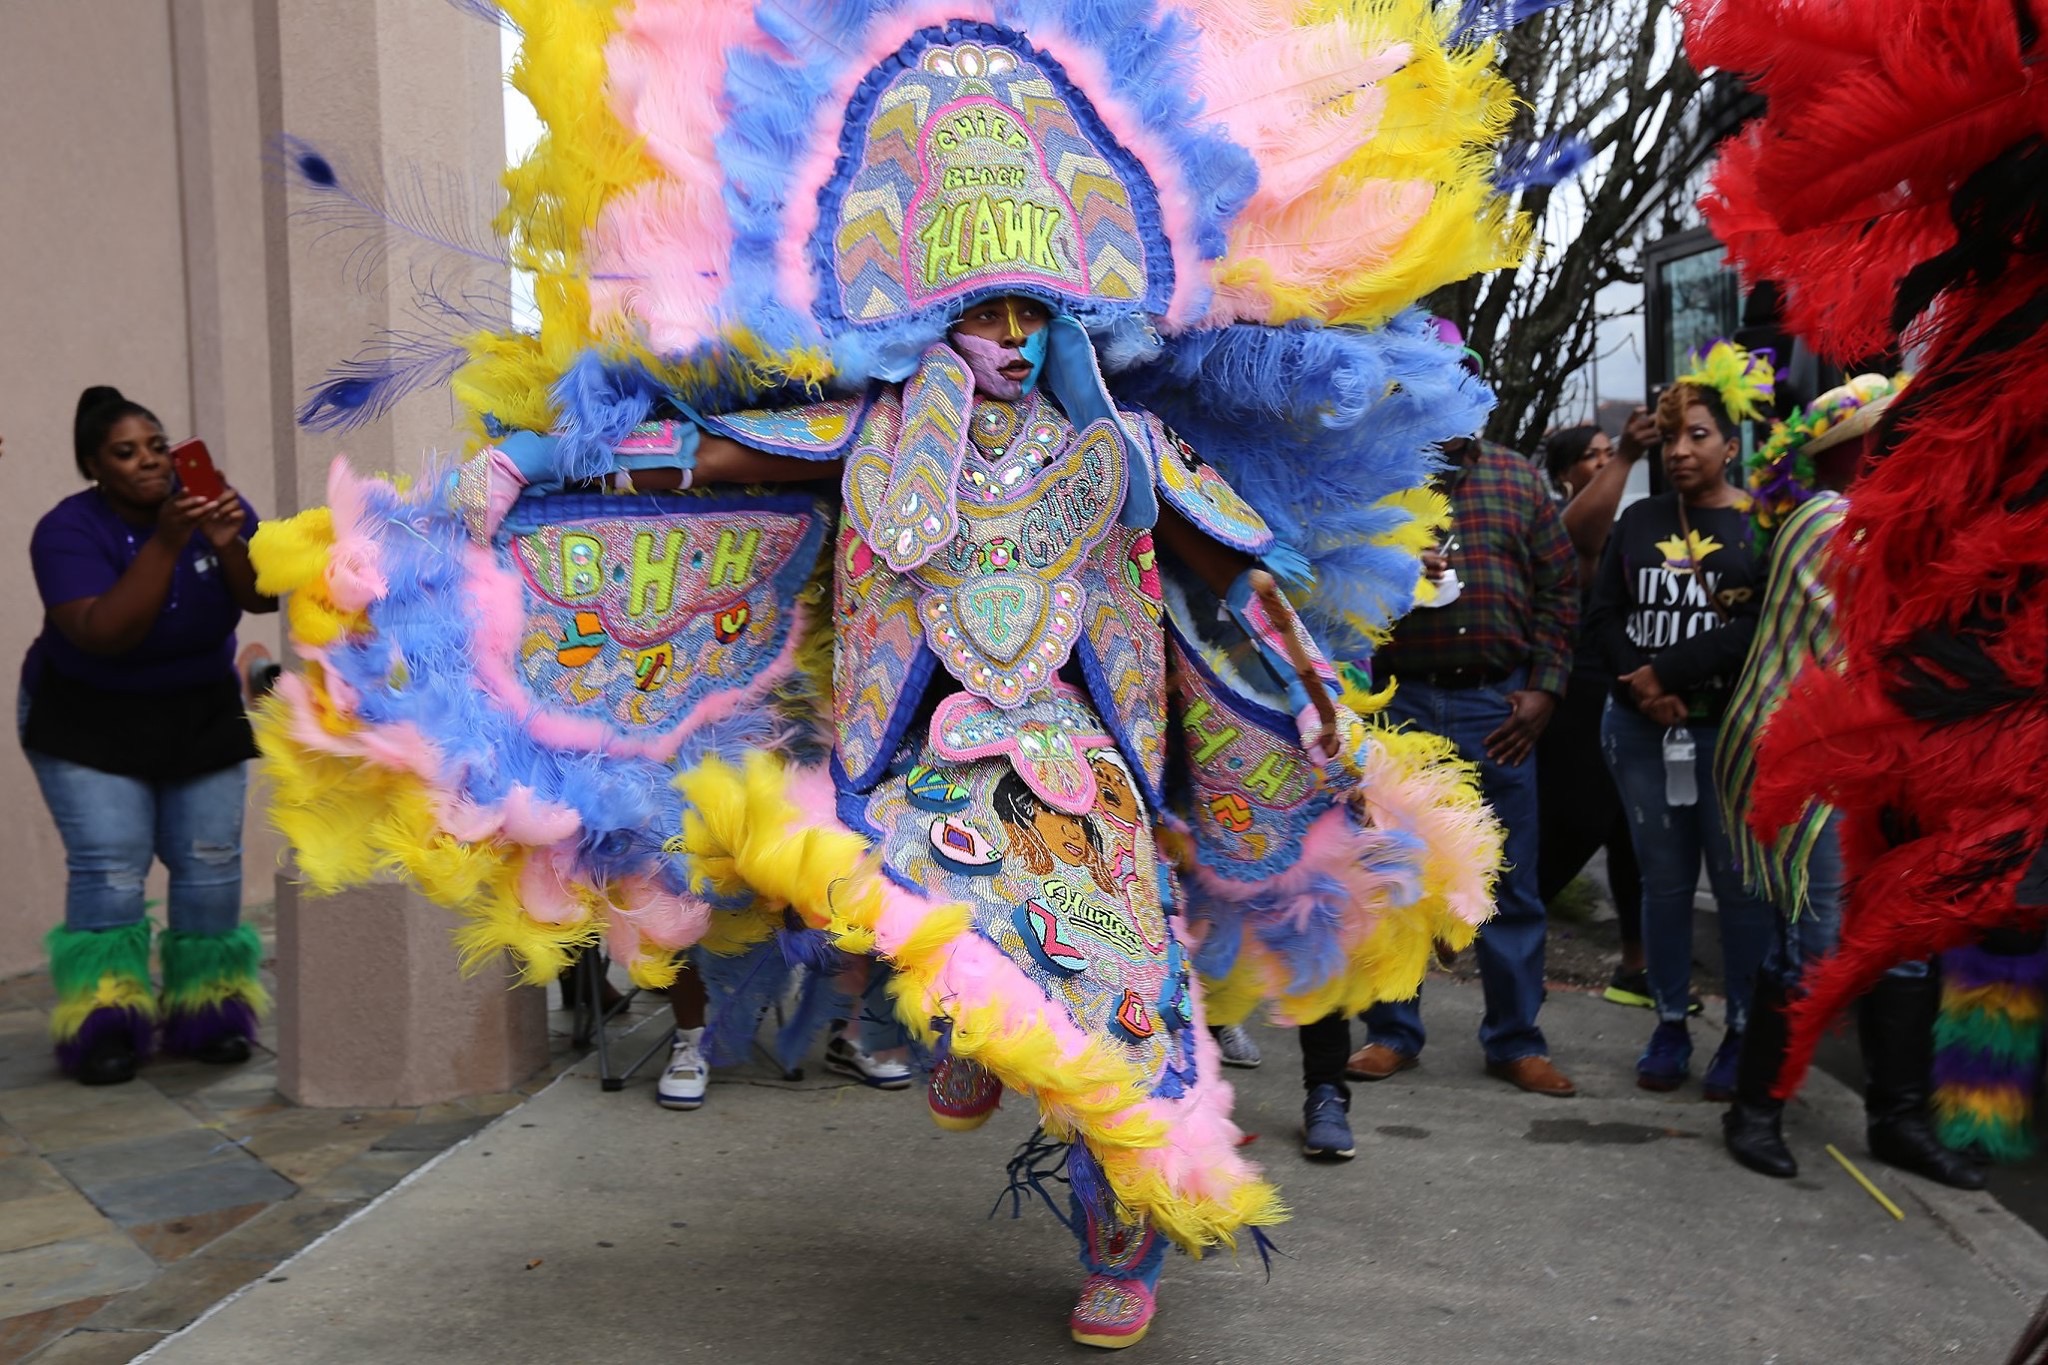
x: 985, y: 360
x: 1034, y: 351
x: 984, y: 347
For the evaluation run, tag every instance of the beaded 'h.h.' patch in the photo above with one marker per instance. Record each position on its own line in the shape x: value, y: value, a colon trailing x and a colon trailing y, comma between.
x: 1256, y: 791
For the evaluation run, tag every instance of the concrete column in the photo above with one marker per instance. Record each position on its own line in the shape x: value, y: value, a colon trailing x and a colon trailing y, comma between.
x: 372, y: 1010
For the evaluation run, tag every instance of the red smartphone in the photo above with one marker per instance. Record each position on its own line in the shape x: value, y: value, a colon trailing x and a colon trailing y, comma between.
x: 196, y: 474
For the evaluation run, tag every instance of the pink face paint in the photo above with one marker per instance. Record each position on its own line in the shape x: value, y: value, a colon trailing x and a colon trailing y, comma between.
x: 985, y: 360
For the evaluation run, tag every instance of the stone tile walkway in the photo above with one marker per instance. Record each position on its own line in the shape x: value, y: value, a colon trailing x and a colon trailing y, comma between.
x: 127, y: 1211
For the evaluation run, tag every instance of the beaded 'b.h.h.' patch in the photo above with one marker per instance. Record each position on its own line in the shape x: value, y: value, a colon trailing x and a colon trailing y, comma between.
x: 639, y: 608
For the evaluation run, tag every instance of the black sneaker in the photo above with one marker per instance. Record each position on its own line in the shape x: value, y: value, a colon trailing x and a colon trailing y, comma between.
x: 1632, y: 988
x: 1627, y: 987
x: 1326, y: 1126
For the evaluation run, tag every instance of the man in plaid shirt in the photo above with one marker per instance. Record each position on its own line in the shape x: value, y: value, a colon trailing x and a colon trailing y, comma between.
x: 1485, y: 670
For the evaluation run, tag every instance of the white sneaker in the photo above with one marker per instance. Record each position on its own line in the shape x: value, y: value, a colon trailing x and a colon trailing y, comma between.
x: 1237, y: 1047
x: 683, y: 1084
x: 851, y: 1059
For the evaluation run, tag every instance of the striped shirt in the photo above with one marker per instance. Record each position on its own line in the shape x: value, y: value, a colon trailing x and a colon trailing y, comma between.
x: 1797, y: 628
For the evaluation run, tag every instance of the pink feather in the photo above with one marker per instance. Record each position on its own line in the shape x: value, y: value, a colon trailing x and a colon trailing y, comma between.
x: 661, y: 917
x: 667, y: 69
x: 352, y: 576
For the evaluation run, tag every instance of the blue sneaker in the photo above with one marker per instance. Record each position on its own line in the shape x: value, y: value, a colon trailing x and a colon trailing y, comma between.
x: 1326, y: 1125
x: 1664, y: 1062
x: 1718, y: 1084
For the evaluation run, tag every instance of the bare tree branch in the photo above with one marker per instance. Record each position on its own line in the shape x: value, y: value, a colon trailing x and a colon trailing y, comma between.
x: 1611, y: 72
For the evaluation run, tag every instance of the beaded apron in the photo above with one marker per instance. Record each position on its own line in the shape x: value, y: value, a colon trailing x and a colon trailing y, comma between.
x: 1072, y: 899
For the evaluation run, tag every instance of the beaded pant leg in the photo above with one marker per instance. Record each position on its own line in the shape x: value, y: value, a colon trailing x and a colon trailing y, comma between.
x: 1122, y: 1258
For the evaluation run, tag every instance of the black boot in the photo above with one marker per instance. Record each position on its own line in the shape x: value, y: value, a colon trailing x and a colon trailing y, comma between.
x: 1895, y: 1025
x: 1752, y: 1125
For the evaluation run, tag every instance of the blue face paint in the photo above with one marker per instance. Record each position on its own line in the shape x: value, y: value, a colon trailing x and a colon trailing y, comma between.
x: 1033, y: 350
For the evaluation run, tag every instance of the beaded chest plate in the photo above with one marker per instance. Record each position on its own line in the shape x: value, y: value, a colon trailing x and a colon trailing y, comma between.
x: 998, y: 601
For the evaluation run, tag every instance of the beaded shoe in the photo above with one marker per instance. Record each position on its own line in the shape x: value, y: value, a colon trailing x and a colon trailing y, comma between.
x: 962, y: 1096
x: 1112, y: 1313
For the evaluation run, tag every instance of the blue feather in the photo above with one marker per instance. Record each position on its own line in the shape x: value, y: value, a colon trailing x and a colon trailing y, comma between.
x: 1314, y: 426
x: 487, y: 11
x: 1480, y: 21
x: 443, y: 219
x: 389, y: 368
x: 598, y: 402
x: 1552, y: 161
x: 741, y: 989
x: 819, y: 1003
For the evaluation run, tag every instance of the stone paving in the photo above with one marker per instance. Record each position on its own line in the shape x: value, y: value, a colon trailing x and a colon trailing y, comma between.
x: 127, y: 1211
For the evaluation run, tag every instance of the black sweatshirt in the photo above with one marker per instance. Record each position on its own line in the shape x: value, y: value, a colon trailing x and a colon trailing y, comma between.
x: 1649, y: 608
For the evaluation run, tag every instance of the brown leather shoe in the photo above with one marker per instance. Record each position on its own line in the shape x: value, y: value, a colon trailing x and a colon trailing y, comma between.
x: 1376, y: 1062
x: 1535, y: 1075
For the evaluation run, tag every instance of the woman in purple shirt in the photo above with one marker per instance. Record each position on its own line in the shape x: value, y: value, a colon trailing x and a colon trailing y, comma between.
x: 131, y: 716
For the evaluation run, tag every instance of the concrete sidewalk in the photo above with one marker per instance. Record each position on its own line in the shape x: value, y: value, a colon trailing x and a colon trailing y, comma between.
x: 814, y: 1222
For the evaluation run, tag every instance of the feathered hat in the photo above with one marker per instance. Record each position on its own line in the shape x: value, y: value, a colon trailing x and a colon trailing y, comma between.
x: 1237, y: 203
x: 1781, y: 472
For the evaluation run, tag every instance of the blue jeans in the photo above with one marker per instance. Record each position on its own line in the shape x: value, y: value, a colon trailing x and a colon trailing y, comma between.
x: 1670, y: 841
x: 113, y: 827
x: 1803, y: 941
x: 1510, y: 945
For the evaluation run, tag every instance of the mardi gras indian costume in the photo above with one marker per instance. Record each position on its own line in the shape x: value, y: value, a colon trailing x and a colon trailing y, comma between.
x: 1895, y: 191
x: 987, y: 356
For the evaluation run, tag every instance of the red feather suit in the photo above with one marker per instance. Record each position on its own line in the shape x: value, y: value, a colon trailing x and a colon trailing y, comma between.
x: 1897, y: 190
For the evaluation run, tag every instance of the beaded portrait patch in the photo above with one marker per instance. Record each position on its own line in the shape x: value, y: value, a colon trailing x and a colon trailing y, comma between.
x: 638, y: 608
x: 1072, y: 898
x: 968, y: 163
x: 1255, y: 792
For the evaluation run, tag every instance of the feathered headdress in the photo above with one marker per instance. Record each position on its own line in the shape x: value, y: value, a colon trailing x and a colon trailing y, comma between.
x: 1744, y: 380
x: 1781, y: 474
x: 741, y: 202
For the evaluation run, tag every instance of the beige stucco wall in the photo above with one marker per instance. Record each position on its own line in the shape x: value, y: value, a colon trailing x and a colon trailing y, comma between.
x: 145, y: 243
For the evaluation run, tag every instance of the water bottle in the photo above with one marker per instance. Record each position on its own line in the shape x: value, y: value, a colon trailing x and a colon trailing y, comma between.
x: 1680, y: 788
